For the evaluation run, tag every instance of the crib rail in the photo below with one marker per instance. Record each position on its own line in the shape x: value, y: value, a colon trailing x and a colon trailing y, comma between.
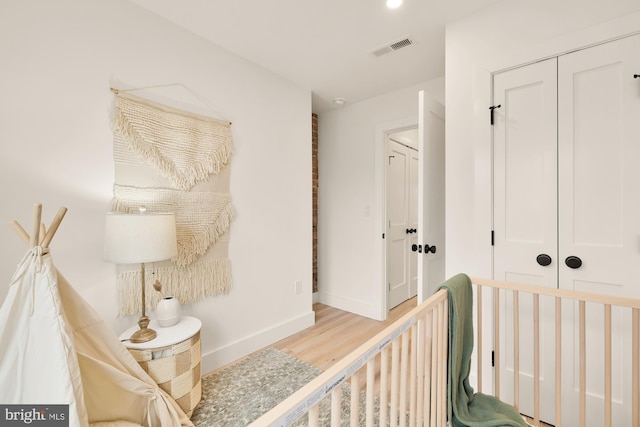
x: 569, y: 345
x: 399, y: 376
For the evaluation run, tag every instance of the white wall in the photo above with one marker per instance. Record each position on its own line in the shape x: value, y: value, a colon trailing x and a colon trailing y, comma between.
x: 505, y: 35
x: 58, y: 61
x: 350, y: 266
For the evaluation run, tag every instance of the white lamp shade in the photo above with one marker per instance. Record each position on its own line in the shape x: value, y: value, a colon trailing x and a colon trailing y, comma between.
x: 143, y: 237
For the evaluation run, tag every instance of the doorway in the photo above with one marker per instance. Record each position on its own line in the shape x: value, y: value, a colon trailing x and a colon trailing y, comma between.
x: 429, y: 231
x: 401, y: 205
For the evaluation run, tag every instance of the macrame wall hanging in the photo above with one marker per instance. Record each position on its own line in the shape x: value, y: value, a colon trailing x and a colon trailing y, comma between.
x: 169, y: 160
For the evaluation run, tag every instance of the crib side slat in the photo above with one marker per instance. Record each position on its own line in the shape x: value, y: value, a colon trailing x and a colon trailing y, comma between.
x: 384, y: 385
x: 371, y: 380
x: 583, y: 365
x: 496, y: 338
x: 435, y: 412
x: 413, y: 377
x: 434, y: 366
x: 314, y: 416
x: 395, y: 373
x: 635, y: 365
x: 558, y: 362
x: 336, y: 412
x: 479, y: 335
x: 607, y: 365
x: 516, y: 350
x: 536, y: 358
x: 427, y: 365
x: 355, y: 400
x: 404, y: 367
x: 421, y: 357
x: 443, y: 362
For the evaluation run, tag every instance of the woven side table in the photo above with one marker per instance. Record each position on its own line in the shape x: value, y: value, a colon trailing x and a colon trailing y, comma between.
x: 172, y: 359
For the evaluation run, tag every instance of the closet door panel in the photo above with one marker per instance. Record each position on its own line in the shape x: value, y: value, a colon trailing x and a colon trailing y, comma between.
x: 599, y: 209
x: 599, y: 180
x: 525, y: 219
x: 525, y: 185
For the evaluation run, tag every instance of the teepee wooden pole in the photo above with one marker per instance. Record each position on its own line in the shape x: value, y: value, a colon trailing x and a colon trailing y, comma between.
x: 54, y: 227
x: 20, y: 231
x: 37, y: 216
x: 43, y: 233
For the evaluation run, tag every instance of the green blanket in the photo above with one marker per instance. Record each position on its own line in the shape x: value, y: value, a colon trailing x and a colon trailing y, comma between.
x: 466, y: 408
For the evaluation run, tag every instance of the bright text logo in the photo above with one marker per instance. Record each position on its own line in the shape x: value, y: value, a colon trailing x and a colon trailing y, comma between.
x: 34, y: 415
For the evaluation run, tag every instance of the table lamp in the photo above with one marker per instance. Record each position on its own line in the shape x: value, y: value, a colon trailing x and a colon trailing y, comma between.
x: 132, y: 238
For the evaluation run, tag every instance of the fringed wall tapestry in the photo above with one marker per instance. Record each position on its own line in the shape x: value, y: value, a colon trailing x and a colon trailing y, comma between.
x: 169, y: 160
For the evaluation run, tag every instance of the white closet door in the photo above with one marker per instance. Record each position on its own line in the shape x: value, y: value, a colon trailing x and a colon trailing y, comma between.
x: 525, y: 221
x: 599, y: 205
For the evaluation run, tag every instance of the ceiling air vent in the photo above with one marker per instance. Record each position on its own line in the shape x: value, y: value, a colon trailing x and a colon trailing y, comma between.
x: 393, y: 46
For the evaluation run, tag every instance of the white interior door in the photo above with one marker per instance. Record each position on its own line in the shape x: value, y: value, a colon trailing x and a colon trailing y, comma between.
x: 599, y: 209
x: 525, y: 221
x: 398, y: 226
x: 413, y: 220
x: 431, y: 202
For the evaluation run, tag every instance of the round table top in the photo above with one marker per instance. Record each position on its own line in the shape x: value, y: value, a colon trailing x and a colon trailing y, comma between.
x: 184, y: 329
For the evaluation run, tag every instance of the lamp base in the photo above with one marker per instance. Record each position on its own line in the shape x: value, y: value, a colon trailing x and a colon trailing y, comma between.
x: 143, y: 334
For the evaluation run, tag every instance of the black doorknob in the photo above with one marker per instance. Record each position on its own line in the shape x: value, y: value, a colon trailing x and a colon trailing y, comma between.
x: 428, y: 249
x: 573, y: 262
x: 543, y: 259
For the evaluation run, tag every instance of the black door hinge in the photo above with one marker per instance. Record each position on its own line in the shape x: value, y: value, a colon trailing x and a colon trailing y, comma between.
x: 493, y: 238
x: 383, y: 235
x: 493, y: 358
x: 493, y: 107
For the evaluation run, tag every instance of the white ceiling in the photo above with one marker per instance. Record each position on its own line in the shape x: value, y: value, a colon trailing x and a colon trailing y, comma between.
x: 325, y: 45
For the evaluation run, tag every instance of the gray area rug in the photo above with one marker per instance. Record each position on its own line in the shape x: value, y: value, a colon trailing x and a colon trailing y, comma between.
x: 241, y: 393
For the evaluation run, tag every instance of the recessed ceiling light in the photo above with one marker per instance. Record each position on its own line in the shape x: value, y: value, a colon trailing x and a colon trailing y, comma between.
x: 339, y: 101
x: 392, y: 4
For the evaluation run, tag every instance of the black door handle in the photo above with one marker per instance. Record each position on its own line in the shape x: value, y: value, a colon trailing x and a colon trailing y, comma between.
x: 573, y: 262
x: 543, y: 259
x: 428, y: 249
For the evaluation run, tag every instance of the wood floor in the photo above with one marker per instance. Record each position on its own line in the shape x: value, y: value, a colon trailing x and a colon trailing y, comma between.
x: 336, y: 334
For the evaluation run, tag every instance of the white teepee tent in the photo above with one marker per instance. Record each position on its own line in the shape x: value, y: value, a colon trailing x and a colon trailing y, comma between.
x: 54, y: 349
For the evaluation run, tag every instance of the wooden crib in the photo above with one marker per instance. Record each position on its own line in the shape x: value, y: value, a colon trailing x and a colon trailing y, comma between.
x: 576, y: 355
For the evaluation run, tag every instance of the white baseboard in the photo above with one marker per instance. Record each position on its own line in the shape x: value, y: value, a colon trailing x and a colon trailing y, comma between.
x: 351, y: 305
x: 224, y: 355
